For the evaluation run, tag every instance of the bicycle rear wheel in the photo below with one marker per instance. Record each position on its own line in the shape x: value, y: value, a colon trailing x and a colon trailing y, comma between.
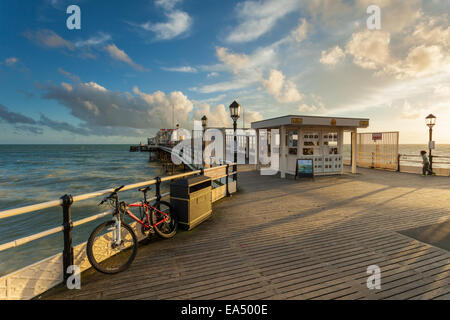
x: 105, y: 255
x: 165, y: 223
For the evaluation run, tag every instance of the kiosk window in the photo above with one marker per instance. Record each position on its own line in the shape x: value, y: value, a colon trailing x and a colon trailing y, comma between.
x: 293, y: 139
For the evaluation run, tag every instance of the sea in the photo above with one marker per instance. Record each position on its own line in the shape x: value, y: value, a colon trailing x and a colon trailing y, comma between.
x: 31, y: 174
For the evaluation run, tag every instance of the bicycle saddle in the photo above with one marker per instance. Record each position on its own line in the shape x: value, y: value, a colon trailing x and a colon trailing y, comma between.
x: 145, y: 189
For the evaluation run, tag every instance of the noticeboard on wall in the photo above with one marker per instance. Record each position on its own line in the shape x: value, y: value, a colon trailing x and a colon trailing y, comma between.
x: 304, y: 168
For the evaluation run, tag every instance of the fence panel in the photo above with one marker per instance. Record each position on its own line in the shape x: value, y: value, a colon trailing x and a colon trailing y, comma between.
x: 378, y: 150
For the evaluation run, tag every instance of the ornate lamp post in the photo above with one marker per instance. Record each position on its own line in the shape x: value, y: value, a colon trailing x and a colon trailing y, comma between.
x: 431, y: 121
x: 235, y: 112
x: 204, y: 125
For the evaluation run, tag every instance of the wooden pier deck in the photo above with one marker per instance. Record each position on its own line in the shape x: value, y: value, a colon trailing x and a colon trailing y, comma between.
x: 285, y: 239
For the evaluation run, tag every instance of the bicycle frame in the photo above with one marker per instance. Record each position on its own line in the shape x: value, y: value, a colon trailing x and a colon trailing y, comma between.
x: 147, y: 207
x: 119, y: 210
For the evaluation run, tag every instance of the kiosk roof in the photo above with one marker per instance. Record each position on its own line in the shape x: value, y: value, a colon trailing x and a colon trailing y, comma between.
x: 299, y: 120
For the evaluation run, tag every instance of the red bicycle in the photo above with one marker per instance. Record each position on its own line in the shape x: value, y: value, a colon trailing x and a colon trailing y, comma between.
x: 112, y: 246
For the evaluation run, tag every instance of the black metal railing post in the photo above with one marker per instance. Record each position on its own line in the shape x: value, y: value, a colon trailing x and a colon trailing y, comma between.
x: 398, y: 162
x: 227, y: 179
x: 158, y: 192
x: 67, y: 201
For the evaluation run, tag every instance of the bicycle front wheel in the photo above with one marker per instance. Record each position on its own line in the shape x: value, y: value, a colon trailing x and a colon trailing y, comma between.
x: 108, y: 256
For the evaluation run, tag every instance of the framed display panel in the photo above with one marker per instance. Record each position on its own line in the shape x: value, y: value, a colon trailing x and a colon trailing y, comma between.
x: 304, y: 168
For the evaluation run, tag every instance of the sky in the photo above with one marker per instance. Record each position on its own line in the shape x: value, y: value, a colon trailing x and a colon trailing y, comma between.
x: 139, y: 65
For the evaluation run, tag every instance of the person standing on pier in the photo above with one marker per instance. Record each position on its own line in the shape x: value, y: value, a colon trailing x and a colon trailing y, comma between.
x: 426, y: 164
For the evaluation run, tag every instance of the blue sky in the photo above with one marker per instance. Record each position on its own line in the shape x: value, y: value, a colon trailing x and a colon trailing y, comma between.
x: 119, y: 78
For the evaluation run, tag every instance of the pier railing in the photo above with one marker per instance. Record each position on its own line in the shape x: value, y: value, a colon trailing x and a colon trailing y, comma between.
x: 408, y: 163
x: 412, y: 163
x: 33, y: 280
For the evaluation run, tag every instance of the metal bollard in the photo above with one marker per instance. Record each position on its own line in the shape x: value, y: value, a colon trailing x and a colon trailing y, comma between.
x: 68, y: 226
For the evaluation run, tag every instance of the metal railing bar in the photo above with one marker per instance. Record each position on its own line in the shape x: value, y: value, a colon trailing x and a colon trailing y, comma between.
x: 21, y: 241
x: 418, y: 156
x: 31, y: 208
x: 92, y: 218
x: 56, y: 203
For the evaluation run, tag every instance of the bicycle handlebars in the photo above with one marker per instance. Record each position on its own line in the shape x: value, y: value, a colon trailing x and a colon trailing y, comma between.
x: 118, y: 189
x: 111, y: 195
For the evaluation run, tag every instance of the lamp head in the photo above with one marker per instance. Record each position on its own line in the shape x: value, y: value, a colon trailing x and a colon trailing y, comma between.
x: 204, y: 121
x: 235, y: 111
x: 430, y: 120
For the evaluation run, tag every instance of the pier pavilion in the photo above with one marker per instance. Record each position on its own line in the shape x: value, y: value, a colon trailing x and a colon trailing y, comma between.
x: 313, y: 137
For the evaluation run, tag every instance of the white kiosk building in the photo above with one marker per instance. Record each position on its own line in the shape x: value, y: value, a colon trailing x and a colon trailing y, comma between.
x: 311, y: 137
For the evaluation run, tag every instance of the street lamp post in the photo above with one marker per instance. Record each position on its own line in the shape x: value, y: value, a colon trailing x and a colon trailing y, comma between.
x: 204, y: 125
x: 431, y: 121
x: 235, y: 112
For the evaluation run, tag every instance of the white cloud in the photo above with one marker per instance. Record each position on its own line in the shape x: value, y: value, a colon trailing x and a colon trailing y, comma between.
x: 66, y: 86
x: 395, y: 15
x: 49, y: 39
x: 301, y: 32
x: 370, y: 49
x: 212, y: 74
x: 234, y: 84
x: 424, y: 60
x: 316, y: 107
x: 430, y: 32
x: 259, y: 17
x: 121, y: 55
x: 246, y: 69
x: 178, y: 22
x: 214, y: 99
x: 235, y: 61
x: 312, y: 109
x: 186, y: 69
x: 283, y: 90
x: 97, y: 106
x: 333, y: 56
x: 218, y: 116
x: 69, y: 75
x: 11, y: 61
x: 94, y: 40
x: 167, y: 4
